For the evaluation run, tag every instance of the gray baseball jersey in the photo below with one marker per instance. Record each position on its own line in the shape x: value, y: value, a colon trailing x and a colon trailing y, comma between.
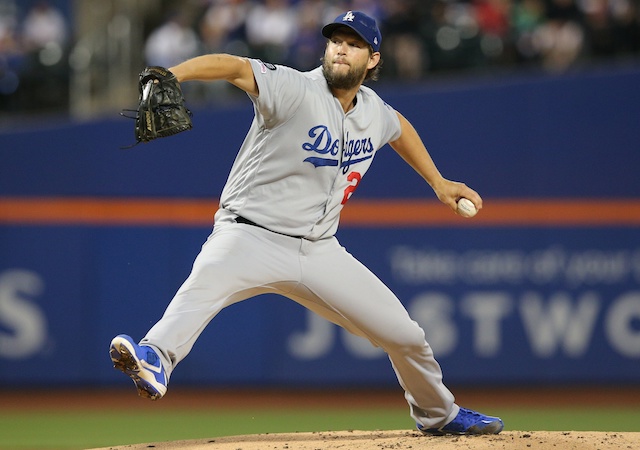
x: 295, y: 179
x: 300, y: 162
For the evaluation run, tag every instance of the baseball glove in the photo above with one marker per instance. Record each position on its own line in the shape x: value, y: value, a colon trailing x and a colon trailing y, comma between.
x: 161, y: 110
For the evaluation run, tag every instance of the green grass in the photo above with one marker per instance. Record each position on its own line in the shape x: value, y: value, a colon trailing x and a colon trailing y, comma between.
x: 571, y: 419
x: 76, y: 430
x: 81, y: 430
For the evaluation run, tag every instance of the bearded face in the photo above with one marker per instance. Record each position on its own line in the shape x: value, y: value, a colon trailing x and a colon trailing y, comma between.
x: 341, y: 79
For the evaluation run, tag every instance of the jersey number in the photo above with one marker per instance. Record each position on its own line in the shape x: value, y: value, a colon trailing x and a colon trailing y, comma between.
x: 354, y: 178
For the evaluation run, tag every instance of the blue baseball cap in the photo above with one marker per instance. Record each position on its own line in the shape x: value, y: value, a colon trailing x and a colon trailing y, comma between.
x: 359, y: 22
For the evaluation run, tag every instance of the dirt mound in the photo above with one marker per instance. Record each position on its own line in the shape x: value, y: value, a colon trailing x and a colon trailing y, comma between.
x: 372, y: 440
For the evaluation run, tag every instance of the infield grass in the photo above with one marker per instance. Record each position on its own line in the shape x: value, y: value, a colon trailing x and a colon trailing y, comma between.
x: 90, y: 429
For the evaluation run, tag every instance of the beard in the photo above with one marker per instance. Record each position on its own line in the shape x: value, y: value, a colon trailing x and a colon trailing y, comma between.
x: 353, y: 78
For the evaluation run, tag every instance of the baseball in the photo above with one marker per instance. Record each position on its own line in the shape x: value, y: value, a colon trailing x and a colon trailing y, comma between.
x: 466, y: 208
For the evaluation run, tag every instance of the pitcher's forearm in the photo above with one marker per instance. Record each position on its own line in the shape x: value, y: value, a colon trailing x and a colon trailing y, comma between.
x: 234, y: 69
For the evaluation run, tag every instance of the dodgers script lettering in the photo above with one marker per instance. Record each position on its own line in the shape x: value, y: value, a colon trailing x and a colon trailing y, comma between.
x: 354, y: 152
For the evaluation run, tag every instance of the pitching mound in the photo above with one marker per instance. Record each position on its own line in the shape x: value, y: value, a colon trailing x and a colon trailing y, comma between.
x: 508, y: 440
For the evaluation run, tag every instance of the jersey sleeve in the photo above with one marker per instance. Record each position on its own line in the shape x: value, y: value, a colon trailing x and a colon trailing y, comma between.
x: 281, y: 90
x: 382, y: 116
x: 391, y: 122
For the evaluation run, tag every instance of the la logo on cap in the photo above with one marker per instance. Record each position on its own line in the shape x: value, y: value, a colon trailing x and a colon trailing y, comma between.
x: 348, y: 17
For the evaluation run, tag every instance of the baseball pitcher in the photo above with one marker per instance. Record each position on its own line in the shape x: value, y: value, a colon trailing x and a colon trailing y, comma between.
x: 313, y: 138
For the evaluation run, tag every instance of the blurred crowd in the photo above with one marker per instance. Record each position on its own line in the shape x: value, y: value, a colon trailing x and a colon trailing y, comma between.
x: 420, y: 37
x: 34, y: 48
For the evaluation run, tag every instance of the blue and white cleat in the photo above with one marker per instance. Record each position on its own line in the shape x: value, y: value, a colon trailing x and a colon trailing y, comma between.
x: 142, y: 364
x: 467, y: 422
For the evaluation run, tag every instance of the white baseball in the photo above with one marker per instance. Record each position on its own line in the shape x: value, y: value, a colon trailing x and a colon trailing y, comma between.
x: 466, y: 208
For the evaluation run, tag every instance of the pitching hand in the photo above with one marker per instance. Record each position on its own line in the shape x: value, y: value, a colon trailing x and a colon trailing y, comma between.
x: 449, y: 192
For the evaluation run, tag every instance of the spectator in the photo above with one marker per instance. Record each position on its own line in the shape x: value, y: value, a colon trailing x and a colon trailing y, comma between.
x: 493, y: 17
x: 44, y: 26
x: 559, y: 43
x: 611, y: 27
x: 223, y: 27
x: 527, y: 16
x: 10, y: 53
x: 452, y: 36
x: 404, y: 49
x: 560, y: 40
x: 626, y: 23
x: 271, y: 30
x: 309, y: 43
x: 44, y: 80
x: 8, y: 28
x: 172, y: 42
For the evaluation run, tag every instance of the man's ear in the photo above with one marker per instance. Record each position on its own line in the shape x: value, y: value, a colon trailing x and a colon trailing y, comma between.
x: 374, y: 59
